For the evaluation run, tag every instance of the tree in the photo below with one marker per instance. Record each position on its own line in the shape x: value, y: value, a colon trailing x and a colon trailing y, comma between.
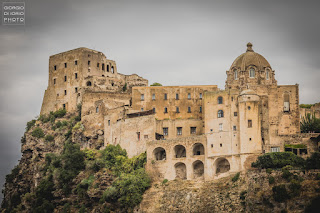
x: 155, y: 84
x: 309, y: 123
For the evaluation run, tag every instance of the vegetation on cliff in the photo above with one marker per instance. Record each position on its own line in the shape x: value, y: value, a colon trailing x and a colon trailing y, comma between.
x: 70, y: 178
x: 309, y: 123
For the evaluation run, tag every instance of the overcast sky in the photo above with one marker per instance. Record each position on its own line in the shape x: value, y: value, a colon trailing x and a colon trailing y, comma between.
x: 172, y: 42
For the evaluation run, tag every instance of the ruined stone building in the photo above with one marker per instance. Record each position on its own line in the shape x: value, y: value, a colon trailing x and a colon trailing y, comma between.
x: 189, y: 132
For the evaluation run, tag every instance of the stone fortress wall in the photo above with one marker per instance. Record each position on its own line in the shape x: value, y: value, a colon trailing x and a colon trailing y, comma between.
x: 189, y: 132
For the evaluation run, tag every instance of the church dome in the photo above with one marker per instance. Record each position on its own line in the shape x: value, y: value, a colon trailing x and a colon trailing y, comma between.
x: 250, y: 58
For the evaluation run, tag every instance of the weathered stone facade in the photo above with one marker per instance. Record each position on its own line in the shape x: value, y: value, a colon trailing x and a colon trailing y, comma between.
x: 189, y: 132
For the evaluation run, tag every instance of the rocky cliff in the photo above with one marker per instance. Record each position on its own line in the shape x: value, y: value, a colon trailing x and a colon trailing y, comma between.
x: 59, y: 173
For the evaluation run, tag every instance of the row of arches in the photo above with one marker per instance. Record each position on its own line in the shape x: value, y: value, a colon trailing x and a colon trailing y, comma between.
x: 221, y: 165
x: 179, y: 151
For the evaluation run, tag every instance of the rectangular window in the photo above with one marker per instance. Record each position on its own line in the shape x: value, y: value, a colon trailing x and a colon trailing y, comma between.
x: 55, y: 67
x: 165, y: 110
x: 249, y: 123
x: 102, y: 66
x: 98, y: 64
x: 165, y: 131
x: 234, y: 128
x: 220, y: 127
x: 141, y: 109
x: 200, y: 95
x: 231, y: 98
x: 179, y: 130
x: 142, y: 97
x: 235, y: 114
x: 189, y: 109
x: 193, y: 130
x: 275, y: 149
x: 177, y: 96
x: 65, y: 65
x: 76, y: 75
x: 154, y: 110
x: 146, y: 137
x: 153, y: 97
x: 189, y: 96
x: 200, y: 109
x: 65, y: 78
x: 65, y: 92
x: 76, y: 89
x: 165, y: 96
x: 75, y: 62
x: 109, y: 122
x: 64, y: 106
x: 138, y: 134
x: 89, y: 63
x: 177, y: 110
x: 54, y: 81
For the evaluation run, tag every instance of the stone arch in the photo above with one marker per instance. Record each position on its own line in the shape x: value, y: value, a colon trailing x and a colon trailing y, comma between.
x: 198, y: 149
x: 181, y: 170
x: 198, y: 169
x: 222, y: 165
x: 89, y: 83
x: 180, y: 151
x: 159, y: 154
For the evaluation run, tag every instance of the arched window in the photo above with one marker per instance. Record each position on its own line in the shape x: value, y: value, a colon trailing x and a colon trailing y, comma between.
x: 286, y: 102
x: 112, y: 69
x: 88, y: 83
x: 220, y: 114
x: 252, y: 73
x: 267, y: 74
x: 220, y: 100
x: 159, y: 153
x: 108, y: 68
x: 97, y: 109
x: 198, y: 149
x: 180, y: 151
x: 235, y: 74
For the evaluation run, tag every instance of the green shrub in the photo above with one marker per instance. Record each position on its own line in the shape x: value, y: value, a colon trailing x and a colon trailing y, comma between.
x: 112, y: 155
x: 30, y: 124
x: 269, y: 170
x: 165, y: 181
x: 278, y: 160
x: 10, y: 177
x: 313, y: 162
x: 295, y: 188
x: 78, y: 126
x: 38, y: 133
x: 155, y: 84
x: 130, y: 188
x: 67, y: 208
x: 49, y: 138
x: 280, y: 193
x: 60, y: 113
x: 271, y: 180
x: 90, y: 154
x: 243, y: 195
x: 68, y: 134
x: 318, y: 176
x: 286, y: 174
x: 236, y: 177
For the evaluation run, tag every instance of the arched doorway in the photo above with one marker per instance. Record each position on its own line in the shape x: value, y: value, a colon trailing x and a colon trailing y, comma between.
x: 222, y: 165
x: 181, y: 171
x: 198, y: 169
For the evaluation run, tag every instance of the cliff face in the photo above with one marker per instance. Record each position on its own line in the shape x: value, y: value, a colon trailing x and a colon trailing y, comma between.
x: 255, y: 191
x: 56, y: 173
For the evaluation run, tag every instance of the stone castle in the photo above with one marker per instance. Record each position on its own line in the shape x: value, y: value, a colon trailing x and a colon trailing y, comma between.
x: 189, y: 132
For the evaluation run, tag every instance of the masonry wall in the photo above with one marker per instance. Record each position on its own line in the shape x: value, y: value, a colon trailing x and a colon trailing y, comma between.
x: 131, y: 134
